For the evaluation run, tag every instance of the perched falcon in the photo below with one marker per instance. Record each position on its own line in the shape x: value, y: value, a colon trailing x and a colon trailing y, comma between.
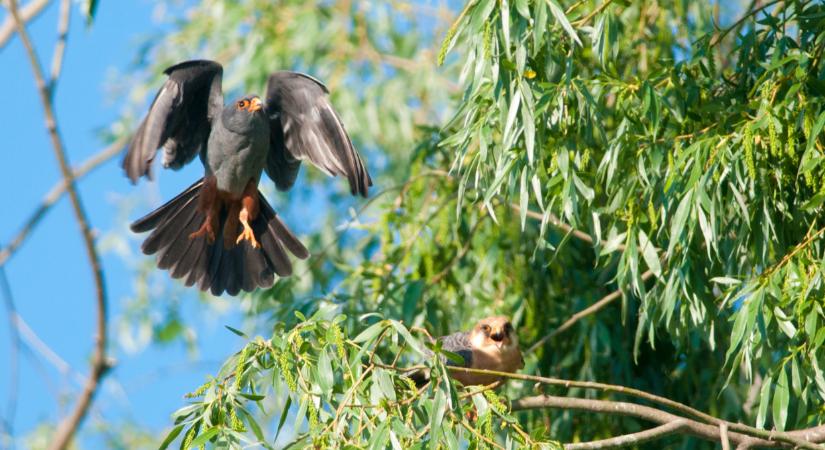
x: 491, y: 345
x: 221, y: 233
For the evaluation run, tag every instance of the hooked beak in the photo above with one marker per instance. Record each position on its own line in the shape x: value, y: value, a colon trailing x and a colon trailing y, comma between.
x: 255, y: 105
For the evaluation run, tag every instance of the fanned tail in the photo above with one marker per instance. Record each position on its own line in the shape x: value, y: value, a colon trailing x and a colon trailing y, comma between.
x: 211, y: 266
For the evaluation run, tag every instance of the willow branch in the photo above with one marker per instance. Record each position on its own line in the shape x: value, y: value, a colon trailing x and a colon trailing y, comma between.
x: 27, y: 13
x: 800, y: 438
x: 54, y: 194
x: 688, y: 426
x: 14, y: 355
x: 627, y: 440
x: 592, y: 309
x: 69, y: 425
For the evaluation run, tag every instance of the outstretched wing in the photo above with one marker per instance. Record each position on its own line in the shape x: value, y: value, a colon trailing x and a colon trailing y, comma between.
x: 179, y: 119
x: 303, y: 125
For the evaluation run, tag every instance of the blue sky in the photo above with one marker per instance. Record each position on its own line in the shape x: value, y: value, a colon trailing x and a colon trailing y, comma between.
x: 50, y: 278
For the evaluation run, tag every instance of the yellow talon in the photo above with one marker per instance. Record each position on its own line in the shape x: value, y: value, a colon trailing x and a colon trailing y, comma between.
x: 249, y: 236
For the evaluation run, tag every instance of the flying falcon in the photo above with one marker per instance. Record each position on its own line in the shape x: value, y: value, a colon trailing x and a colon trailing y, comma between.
x: 491, y: 345
x: 221, y: 234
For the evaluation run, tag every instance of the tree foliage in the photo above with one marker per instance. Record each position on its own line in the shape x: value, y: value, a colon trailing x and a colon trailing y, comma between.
x: 669, y: 150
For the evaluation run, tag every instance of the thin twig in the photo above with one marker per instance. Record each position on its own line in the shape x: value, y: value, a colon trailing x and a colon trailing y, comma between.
x: 27, y: 13
x: 723, y: 436
x: 99, y: 365
x: 54, y: 194
x: 60, y: 46
x: 14, y: 356
x: 800, y: 438
x: 718, y: 38
x: 458, y: 256
x: 592, y: 309
x: 593, y: 13
x: 627, y: 440
x: 647, y: 413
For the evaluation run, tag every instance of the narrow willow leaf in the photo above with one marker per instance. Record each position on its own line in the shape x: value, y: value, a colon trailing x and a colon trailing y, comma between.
x: 512, y: 111
x: 796, y: 378
x: 408, y: 338
x: 524, y: 195
x: 326, y: 376
x: 650, y: 254
x: 370, y: 333
x: 282, y: 420
x: 171, y: 436
x: 237, y: 331
x: 764, y: 400
x: 204, y: 437
x: 781, y: 397
x: 558, y: 13
x: 91, y: 10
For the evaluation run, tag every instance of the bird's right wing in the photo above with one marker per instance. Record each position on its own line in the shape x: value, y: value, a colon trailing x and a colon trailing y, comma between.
x: 179, y: 119
x: 304, y: 126
x: 458, y: 343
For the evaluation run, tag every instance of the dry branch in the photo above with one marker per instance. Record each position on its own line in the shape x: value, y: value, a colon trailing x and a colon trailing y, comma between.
x: 27, y: 13
x: 99, y: 366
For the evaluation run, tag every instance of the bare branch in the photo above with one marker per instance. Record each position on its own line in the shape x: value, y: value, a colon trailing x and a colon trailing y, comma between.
x: 723, y: 436
x: 14, y: 356
x: 60, y: 46
x: 27, y: 13
x: 632, y: 439
x: 99, y: 365
x: 54, y: 194
x: 691, y: 427
x: 552, y: 219
x: 800, y: 438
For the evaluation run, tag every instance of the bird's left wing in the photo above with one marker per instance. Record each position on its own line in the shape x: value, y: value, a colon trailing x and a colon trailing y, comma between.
x: 179, y: 119
x: 458, y: 343
x: 303, y: 125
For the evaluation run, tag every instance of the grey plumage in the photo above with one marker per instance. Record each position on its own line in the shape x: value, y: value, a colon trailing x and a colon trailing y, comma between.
x: 458, y: 343
x: 237, y: 149
x: 236, y: 143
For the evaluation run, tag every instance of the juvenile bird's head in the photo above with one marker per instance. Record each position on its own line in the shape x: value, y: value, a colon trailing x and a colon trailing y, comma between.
x: 245, y: 114
x: 494, y: 334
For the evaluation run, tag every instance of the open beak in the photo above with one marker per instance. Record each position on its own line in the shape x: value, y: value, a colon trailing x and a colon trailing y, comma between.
x: 255, y: 105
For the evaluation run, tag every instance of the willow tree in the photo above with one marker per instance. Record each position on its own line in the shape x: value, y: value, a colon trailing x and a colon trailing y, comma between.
x: 637, y: 184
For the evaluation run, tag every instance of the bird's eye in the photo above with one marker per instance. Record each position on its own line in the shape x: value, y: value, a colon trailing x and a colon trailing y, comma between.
x: 485, y: 328
x: 508, y: 327
x: 242, y: 104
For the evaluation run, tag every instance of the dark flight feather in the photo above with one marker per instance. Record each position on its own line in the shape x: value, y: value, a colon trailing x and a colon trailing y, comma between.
x: 179, y: 118
x: 211, y: 266
x: 303, y: 125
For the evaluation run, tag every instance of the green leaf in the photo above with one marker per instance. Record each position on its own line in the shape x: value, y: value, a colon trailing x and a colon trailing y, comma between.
x: 326, y: 376
x: 764, y: 400
x: 408, y: 338
x: 236, y: 331
x: 282, y: 420
x: 780, y: 400
x: 817, y: 128
x: 91, y: 11
x: 371, y: 332
x: 171, y: 436
x: 412, y: 298
x: 649, y: 254
x: 204, y: 437
x: 558, y: 13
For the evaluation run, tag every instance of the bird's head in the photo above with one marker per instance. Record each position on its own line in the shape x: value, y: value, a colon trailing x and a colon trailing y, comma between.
x: 494, y: 333
x: 244, y: 115
x: 249, y: 104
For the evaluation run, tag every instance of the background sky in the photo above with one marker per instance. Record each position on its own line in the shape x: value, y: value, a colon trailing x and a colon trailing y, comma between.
x: 50, y: 278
